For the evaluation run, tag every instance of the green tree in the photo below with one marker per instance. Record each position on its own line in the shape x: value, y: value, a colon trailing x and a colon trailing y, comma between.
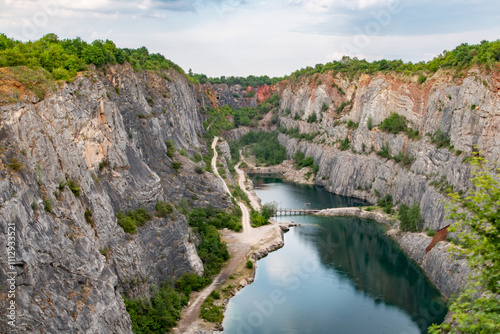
x: 477, y: 219
x: 411, y: 218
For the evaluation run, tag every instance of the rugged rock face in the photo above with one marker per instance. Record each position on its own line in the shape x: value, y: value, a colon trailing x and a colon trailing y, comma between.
x: 466, y: 109
x: 449, y: 274
x: 106, y: 133
x: 218, y: 95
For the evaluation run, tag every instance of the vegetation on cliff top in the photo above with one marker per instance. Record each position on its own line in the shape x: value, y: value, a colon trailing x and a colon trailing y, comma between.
x: 64, y: 58
x: 463, y: 56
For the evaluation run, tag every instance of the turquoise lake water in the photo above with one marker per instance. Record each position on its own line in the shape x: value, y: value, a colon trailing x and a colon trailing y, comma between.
x: 334, y: 275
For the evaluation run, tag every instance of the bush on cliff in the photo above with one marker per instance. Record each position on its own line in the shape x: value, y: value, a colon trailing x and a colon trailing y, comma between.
x: 395, y: 124
x: 477, y: 219
x: 410, y: 218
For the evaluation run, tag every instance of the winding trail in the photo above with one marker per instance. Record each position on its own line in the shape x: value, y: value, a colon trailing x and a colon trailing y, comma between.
x: 254, y: 200
x: 239, y: 246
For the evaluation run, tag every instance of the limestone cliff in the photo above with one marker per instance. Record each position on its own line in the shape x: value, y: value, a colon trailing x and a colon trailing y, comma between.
x: 105, y: 132
x: 467, y: 109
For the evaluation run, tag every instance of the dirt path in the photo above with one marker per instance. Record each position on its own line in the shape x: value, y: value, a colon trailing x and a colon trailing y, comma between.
x: 254, y: 200
x: 239, y: 245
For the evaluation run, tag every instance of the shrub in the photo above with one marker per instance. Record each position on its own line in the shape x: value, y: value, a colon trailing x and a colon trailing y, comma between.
x: 313, y: 118
x: 103, y: 164
x: 302, y: 161
x: 249, y: 264
x: 431, y: 233
x: 211, y: 312
x: 404, y: 159
x: 170, y: 148
x: 440, y: 138
x: 176, y: 165
x: 386, y: 203
x: 395, y: 123
x: 421, y: 79
x: 15, y: 165
x: 384, y: 151
x: 74, y: 187
x: 412, y: 133
x: 410, y: 218
x: 352, y: 125
x: 342, y: 106
x: 88, y: 217
x: 198, y: 169
x: 163, y: 209
x: 324, y: 107
x: 47, y: 205
x: 256, y: 219
x: 158, y: 314
x: 134, y: 218
x: 211, y: 250
x: 345, y: 144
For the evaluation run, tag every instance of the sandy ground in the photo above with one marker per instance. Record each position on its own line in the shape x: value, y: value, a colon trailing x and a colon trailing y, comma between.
x: 241, y: 246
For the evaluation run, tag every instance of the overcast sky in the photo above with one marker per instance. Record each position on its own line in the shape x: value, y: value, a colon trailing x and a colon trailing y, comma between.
x: 243, y: 37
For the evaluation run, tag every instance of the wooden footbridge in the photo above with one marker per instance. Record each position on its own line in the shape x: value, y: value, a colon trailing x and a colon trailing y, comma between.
x: 295, y: 212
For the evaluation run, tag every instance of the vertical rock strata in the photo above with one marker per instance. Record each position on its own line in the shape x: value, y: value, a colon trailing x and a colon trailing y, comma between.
x: 106, y: 132
x: 467, y: 110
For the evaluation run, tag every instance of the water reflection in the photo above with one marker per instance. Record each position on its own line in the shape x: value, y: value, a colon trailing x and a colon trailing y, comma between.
x: 334, y: 275
x: 374, y: 264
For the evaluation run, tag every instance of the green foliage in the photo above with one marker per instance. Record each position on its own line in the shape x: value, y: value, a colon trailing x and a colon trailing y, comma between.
x: 324, y: 107
x: 384, y: 152
x: 170, y: 148
x: 264, y: 145
x: 440, y: 138
x: 395, y: 123
x: 64, y: 58
x: 342, y: 106
x: 410, y: 218
x: 421, y: 79
x: 158, y: 314
x: 294, y: 133
x: 211, y: 312
x: 268, y: 210
x: 352, y: 125
x: 176, y: 165
x: 345, y: 144
x: 251, y: 80
x: 132, y: 219
x: 238, y: 192
x: 465, y: 55
x: 477, y: 219
x: 211, y: 250
x: 15, y: 165
x: 369, y: 123
x: 88, y: 217
x: 302, y: 161
x: 313, y: 118
x: 404, y: 159
x: 386, y: 203
x: 163, y: 209
x: 74, y: 187
x: 47, y: 205
x: 249, y: 264
x: 256, y: 219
